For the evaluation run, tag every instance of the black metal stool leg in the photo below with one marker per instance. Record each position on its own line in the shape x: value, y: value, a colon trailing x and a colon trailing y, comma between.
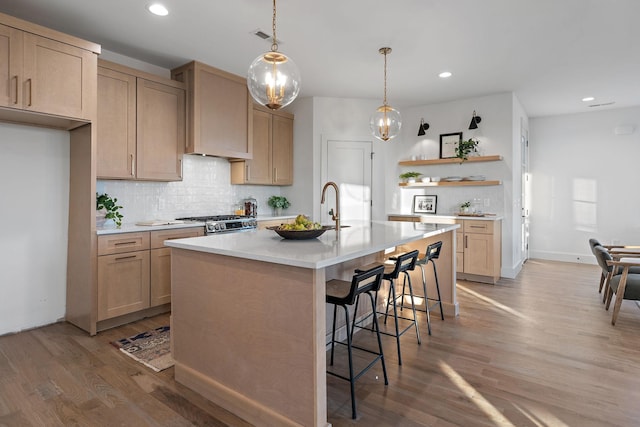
x: 426, y: 299
x: 395, y: 318
x: 413, y: 307
x: 375, y: 322
x: 333, y: 333
x: 352, y: 380
x: 435, y: 274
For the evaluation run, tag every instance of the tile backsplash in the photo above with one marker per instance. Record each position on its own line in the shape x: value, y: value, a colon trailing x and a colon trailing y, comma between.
x: 205, y: 190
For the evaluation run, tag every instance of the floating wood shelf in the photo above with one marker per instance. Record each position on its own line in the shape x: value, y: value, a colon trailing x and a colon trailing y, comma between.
x: 449, y: 161
x: 449, y: 184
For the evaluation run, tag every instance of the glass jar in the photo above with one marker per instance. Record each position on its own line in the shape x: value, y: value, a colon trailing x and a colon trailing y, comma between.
x: 250, y: 207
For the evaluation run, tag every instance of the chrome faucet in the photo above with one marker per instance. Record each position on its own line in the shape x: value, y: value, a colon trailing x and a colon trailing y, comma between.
x: 335, y: 215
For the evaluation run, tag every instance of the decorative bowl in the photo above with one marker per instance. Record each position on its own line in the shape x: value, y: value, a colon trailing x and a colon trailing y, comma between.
x: 301, y: 234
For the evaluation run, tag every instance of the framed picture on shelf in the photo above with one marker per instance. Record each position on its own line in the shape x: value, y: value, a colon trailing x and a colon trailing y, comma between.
x: 448, y: 144
x: 425, y: 204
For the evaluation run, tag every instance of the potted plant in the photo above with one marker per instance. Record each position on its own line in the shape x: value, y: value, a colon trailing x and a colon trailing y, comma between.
x: 410, y: 177
x: 465, y: 148
x: 108, y: 205
x: 278, y: 203
x: 464, y: 207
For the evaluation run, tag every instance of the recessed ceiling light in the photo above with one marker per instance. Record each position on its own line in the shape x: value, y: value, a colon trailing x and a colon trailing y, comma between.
x: 588, y: 99
x: 157, y: 9
x: 444, y: 74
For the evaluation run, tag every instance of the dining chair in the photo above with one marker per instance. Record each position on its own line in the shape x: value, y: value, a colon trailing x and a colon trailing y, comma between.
x: 625, y: 285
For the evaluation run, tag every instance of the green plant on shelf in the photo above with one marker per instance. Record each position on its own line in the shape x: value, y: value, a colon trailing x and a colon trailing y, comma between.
x: 464, y: 148
x: 110, y: 207
x: 410, y: 175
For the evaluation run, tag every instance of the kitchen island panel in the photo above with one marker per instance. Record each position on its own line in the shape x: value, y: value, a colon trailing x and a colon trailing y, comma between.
x: 251, y: 314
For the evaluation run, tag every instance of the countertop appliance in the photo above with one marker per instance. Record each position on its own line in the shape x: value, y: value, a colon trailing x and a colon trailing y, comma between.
x: 225, y: 223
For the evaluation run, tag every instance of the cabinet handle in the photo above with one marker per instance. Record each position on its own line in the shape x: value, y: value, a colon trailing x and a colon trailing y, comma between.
x: 133, y: 170
x: 275, y: 174
x: 133, y: 242
x: 478, y: 226
x: 30, y: 90
x: 125, y: 257
x: 248, y: 173
x: 465, y: 242
x: 180, y: 168
x: 16, y: 92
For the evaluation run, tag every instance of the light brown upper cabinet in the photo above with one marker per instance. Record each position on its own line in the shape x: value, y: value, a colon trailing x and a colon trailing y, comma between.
x: 272, y: 162
x: 219, y: 107
x: 141, y: 129
x: 46, y: 72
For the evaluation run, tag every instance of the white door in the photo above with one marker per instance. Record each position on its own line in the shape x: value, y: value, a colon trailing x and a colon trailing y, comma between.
x: 349, y: 166
x: 526, y: 193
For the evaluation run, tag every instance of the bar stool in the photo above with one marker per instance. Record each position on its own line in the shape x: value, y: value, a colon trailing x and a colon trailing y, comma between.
x: 432, y: 253
x: 343, y: 293
x: 402, y: 265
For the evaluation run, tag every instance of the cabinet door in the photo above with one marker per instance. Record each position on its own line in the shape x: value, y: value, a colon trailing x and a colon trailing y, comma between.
x: 58, y: 79
x: 221, y: 114
x: 116, y: 124
x: 258, y: 170
x: 123, y: 283
x: 478, y: 254
x: 459, y: 250
x: 10, y: 67
x: 160, y: 131
x: 282, y: 151
x: 160, y: 277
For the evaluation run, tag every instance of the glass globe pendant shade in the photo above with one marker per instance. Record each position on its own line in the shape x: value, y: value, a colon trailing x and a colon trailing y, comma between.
x: 273, y: 80
x: 385, y: 123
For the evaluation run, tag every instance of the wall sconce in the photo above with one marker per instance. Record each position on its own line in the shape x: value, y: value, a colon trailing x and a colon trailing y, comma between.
x: 423, y: 126
x: 474, y: 121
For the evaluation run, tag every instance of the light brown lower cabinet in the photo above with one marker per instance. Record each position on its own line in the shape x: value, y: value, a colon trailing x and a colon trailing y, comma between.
x: 134, y: 270
x: 478, y: 247
x: 479, y: 250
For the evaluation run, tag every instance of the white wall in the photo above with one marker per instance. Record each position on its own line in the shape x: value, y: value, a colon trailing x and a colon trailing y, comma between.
x: 320, y: 118
x: 496, y: 135
x: 585, y: 181
x: 34, y: 186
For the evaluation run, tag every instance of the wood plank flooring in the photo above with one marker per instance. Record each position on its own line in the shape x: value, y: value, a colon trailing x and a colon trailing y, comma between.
x: 539, y: 350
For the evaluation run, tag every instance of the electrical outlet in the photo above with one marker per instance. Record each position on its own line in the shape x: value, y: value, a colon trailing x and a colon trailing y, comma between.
x: 487, y: 203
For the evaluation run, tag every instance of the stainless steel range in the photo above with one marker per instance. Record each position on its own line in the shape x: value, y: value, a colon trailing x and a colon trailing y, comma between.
x: 225, y: 223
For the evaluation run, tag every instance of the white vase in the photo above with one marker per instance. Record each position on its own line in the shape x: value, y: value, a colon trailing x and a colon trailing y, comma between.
x: 277, y: 211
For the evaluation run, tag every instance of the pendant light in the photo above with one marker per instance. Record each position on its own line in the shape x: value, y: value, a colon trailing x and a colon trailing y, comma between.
x: 273, y: 78
x: 385, y: 123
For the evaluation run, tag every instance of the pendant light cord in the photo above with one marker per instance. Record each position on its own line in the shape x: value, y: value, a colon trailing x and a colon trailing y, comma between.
x: 274, y: 46
x: 385, y: 78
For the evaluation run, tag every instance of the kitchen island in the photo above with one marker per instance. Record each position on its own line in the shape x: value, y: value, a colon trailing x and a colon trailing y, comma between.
x: 248, y: 320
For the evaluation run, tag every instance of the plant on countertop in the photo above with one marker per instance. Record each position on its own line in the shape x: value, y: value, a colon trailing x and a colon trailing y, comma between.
x: 278, y: 202
x: 104, y: 201
x: 409, y: 175
x: 464, y: 207
x: 464, y: 148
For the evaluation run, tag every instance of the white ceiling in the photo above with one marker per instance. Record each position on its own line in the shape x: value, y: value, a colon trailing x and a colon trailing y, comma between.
x: 550, y: 53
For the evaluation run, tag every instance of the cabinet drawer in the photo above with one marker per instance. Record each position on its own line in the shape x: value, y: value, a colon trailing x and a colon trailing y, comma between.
x: 483, y: 227
x: 120, y: 243
x: 158, y: 237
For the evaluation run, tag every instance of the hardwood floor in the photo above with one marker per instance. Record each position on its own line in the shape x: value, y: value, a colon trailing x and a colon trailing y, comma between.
x: 539, y: 350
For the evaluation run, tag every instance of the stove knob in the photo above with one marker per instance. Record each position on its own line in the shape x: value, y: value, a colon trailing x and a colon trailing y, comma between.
x: 216, y: 226
x: 223, y: 226
x: 210, y: 227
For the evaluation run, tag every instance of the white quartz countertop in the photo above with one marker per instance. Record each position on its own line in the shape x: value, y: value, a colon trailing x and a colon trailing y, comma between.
x: 132, y: 228
x: 328, y: 249
x: 438, y: 218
